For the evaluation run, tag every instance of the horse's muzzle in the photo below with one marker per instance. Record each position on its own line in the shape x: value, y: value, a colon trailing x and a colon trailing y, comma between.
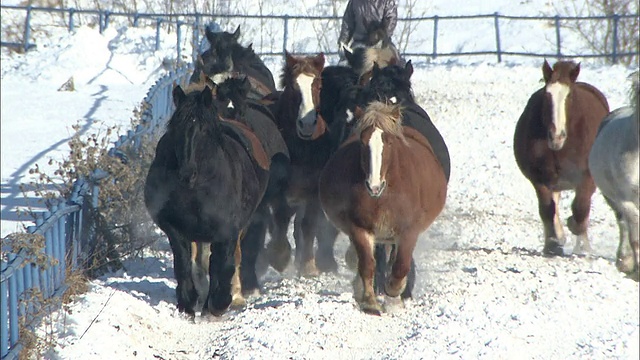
x: 377, y: 190
x: 556, y: 142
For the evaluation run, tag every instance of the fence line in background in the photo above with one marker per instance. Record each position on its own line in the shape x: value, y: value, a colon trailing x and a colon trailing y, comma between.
x: 67, y: 231
x: 196, y: 21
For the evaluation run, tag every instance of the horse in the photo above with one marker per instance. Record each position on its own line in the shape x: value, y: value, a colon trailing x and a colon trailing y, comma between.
x: 226, y: 58
x: 384, y: 185
x: 378, y: 49
x: 551, y: 144
x: 309, y: 147
x: 614, y: 163
x: 232, y: 100
x: 392, y: 84
x: 202, y: 162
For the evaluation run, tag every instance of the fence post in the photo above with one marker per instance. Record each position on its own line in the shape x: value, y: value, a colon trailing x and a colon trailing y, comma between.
x: 286, y: 34
x: 27, y: 29
x: 13, y: 305
x: 497, y: 26
x: 136, y: 17
x: 558, y: 46
x: 158, y: 22
x: 435, y: 37
x: 196, y: 39
x: 614, y: 51
x: 107, y: 15
x: 71, y: 12
x: 100, y: 21
x: 4, y: 311
x: 178, y: 38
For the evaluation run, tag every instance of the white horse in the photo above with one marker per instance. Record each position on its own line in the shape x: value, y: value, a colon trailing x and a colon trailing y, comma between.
x: 614, y: 164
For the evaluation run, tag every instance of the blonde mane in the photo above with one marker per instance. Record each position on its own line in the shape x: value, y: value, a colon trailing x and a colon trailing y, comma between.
x: 386, y: 117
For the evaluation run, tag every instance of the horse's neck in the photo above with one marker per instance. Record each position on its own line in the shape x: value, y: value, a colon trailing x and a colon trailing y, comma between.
x: 592, y: 90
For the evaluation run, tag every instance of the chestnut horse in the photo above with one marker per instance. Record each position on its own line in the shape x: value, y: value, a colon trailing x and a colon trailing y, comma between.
x: 309, y: 147
x: 383, y: 185
x: 551, y: 144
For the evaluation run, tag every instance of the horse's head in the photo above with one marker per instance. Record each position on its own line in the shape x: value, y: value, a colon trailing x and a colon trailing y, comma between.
x: 231, y: 97
x: 380, y: 130
x: 390, y: 84
x: 302, y: 82
x: 194, y: 119
x: 217, y: 61
x: 559, y: 81
x: 363, y: 58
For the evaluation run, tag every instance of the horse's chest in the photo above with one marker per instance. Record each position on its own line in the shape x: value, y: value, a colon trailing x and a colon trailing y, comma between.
x: 384, y: 226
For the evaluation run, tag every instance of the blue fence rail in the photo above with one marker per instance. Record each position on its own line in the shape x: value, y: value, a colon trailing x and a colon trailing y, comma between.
x: 195, y: 21
x: 64, y: 229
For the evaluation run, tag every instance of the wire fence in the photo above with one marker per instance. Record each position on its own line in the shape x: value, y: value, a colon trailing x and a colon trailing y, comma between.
x: 68, y: 233
x: 66, y: 228
x: 425, y: 37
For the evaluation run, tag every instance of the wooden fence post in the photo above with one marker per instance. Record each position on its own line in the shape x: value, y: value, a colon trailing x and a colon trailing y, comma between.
x: 27, y: 29
x: 558, y: 40
x: 497, y: 26
x: 434, y: 54
x: 286, y: 34
x: 614, y: 50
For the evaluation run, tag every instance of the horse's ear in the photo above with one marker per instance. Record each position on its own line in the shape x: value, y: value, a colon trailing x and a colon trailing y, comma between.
x: 250, y: 47
x: 246, y: 84
x: 318, y: 61
x: 236, y: 34
x: 408, y: 69
x: 289, y: 59
x: 546, y: 71
x: 178, y: 95
x: 573, y: 74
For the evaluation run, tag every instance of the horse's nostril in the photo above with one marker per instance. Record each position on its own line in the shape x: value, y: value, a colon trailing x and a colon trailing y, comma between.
x: 563, y: 134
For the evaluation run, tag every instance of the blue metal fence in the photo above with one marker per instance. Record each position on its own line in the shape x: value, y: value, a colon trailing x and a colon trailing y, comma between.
x: 196, y: 21
x: 66, y: 244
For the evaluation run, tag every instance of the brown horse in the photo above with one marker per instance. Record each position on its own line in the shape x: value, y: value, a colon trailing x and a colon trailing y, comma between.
x: 551, y: 144
x: 383, y: 185
x: 310, y: 147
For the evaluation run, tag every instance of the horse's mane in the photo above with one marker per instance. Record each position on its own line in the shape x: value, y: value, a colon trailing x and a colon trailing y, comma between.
x: 302, y: 65
x: 386, y: 117
x: 391, y: 79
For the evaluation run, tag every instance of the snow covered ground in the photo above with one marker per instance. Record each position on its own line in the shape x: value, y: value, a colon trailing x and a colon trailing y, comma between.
x: 483, y: 289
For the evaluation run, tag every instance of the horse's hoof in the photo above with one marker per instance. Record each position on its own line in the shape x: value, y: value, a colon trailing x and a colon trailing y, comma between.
x: 553, y: 249
x: 393, y: 304
x: 351, y: 258
x: 625, y: 265
x: 238, y: 302
x: 309, y: 269
x: 371, y: 308
x: 394, y: 287
x: 279, y: 256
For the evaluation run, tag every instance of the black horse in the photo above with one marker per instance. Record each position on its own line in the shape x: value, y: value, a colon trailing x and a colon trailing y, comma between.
x: 205, y: 183
x: 226, y: 58
x: 234, y: 103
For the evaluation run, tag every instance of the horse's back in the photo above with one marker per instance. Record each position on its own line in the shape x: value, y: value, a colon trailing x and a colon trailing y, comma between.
x: 614, y: 159
x: 417, y: 118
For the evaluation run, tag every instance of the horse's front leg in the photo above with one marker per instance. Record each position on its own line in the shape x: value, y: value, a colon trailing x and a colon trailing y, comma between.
x: 401, y: 267
x: 579, y: 220
x: 222, y: 267
x: 186, y: 292
x: 309, y: 226
x: 363, y: 291
x: 548, y: 206
x: 279, y: 249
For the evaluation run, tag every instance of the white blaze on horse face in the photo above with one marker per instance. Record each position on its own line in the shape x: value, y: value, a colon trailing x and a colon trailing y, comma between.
x: 376, y: 147
x: 306, y: 106
x: 349, y: 116
x: 559, y: 93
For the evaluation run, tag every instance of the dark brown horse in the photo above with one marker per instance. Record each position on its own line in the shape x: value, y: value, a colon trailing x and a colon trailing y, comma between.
x: 383, y: 185
x: 309, y: 147
x: 552, y: 141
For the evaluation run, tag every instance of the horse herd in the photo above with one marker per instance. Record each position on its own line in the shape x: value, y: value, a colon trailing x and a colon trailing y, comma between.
x: 347, y: 149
